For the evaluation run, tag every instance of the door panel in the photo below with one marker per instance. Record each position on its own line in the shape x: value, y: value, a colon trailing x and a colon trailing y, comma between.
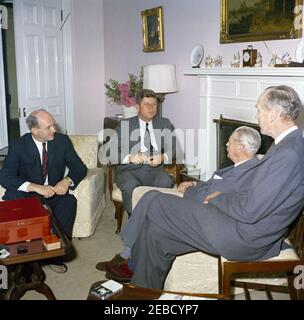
x: 39, y: 59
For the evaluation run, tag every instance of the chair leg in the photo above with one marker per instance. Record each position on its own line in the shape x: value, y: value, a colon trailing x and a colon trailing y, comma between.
x: 220, y: 276
x: 292, y: 290
x: 224, y: 280
x: 119, y: 211
x: 226, y: 283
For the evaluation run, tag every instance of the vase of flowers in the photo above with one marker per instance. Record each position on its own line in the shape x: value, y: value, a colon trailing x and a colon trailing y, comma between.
x: 124, y: 93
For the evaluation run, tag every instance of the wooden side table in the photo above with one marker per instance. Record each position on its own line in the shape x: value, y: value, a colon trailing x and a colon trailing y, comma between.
x: 28, y: 274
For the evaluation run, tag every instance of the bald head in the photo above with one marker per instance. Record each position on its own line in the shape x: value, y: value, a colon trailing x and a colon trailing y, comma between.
x: 42, y: 125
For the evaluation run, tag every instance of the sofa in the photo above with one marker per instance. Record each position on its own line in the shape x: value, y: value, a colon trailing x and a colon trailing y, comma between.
x: 197, y: 272
x: 90, y: 193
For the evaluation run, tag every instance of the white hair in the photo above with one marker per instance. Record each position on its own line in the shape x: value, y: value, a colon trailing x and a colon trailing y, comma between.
x: 248, y: 137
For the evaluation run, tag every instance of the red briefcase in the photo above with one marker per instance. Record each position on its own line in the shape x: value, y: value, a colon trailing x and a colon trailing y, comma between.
x: 22, y: 220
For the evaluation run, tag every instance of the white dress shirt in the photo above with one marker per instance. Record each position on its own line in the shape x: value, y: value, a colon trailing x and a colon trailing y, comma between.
x: 284, y: 134
x: 38, y: 144
x: 143, y: 148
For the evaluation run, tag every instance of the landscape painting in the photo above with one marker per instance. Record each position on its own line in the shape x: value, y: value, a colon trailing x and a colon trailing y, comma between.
x: 256, y: 20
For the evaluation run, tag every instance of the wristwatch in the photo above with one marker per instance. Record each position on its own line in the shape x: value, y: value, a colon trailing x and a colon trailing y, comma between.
x: 69, y: 180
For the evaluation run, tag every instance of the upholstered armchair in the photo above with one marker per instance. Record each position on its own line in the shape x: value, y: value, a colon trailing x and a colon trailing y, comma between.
x: 90, y: 193
x: 116, y: 196
x: 199, y: 272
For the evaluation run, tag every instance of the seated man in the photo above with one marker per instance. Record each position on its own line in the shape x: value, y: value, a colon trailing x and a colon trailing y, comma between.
x: 241, y: 148
x: 35, y: 166
x: 247, y: 224
x: 143, y: 143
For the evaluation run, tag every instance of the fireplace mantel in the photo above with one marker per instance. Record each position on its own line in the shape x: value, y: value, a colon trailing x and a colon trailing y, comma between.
x: 233, y: 92
x: 267, y: 72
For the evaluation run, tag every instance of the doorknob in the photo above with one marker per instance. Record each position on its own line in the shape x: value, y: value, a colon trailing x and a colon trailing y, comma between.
x: 24, y: 112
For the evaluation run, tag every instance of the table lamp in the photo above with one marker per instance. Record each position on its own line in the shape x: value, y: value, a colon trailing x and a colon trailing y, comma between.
x: 161, y: 79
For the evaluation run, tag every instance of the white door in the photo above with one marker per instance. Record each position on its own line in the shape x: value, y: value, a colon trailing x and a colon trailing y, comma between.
x: 39, y: 59
x: 3, y: 124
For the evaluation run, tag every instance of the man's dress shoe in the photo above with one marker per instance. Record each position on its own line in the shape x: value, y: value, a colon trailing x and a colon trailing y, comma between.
x: 119, y: 272
x: 117, y: 259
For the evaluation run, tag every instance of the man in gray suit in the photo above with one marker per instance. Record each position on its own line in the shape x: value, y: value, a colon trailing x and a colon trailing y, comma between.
x: 241, y: 148
x: 144, y: 144
x: 249, y: 224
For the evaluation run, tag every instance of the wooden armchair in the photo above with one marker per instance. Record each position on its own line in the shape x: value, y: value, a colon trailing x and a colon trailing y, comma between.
x: 115, y: 193
x: 284, y: 263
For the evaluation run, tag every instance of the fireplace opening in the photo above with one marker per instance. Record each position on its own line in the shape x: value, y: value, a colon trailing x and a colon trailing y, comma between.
x: 224, y: 129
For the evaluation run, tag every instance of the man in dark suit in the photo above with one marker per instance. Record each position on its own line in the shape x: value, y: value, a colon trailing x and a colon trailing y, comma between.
x: 140, y: 148
x: 242, y: 147
x: 249, y: 224
x: 36, y: 164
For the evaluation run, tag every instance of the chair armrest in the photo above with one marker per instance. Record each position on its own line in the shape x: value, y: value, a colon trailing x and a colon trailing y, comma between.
x: 174, y: 170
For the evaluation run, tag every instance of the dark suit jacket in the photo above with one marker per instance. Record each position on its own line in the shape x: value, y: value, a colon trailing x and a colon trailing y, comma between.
x: 127, y: 140
x: 23, y: 163
x: 249, y: 224
x: 232, y: 178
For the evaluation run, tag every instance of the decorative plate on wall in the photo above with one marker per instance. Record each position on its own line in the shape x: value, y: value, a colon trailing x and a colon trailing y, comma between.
x: 196, y: 56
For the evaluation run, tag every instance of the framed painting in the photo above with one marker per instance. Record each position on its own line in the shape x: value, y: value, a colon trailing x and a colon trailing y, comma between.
x: 257, y: 20
x: 153, y: 30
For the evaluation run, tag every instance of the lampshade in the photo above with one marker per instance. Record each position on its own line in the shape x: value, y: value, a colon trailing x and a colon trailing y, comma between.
x: 160, y: 78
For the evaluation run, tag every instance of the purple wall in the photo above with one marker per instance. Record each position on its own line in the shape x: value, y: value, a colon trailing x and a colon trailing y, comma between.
x: 107, y: 43
x: 88, y: 65
x: 186, y: 23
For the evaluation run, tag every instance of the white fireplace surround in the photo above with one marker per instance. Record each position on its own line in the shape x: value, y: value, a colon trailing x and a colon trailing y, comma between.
x: 233, y: 92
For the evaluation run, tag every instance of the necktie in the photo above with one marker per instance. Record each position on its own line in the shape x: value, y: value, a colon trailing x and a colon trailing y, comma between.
x: 44, y: 161
x: 147, y: 142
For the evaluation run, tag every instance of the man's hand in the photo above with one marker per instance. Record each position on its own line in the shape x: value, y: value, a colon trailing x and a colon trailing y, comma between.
x: 185, y: 185
x: 138, y: 158
x: 211, y: 196
x: 156, y: 160
x: 46, y: 191
x: 62, y: 187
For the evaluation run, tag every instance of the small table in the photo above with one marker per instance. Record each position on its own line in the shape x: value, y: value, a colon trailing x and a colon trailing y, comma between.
x: 189, y: 176
x: 131, y: 292
x: 28, y: 274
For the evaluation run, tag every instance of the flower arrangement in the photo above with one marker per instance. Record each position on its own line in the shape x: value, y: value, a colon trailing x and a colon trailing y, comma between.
x: 124, y: 93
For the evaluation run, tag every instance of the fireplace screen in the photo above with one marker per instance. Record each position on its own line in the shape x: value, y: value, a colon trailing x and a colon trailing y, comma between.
x: 224, y: 129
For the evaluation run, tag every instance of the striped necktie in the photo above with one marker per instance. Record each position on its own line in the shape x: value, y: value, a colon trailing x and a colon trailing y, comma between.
x: 147, y: 140
x: 44, y: 161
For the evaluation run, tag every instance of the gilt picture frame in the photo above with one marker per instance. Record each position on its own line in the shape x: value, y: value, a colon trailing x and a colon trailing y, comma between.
x: 153, y: 29
x: 259, y: 20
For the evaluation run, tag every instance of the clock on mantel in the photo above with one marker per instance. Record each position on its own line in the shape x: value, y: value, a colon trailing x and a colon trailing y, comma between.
x: 249, y: 56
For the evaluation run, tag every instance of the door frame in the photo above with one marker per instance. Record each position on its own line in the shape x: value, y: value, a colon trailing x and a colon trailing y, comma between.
x: 68, y: 76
